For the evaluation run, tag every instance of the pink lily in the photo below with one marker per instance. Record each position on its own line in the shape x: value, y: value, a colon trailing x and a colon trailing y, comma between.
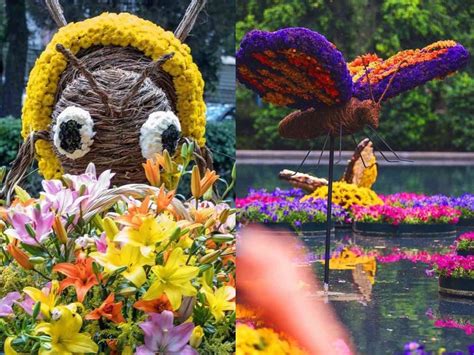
x: 162, y: 337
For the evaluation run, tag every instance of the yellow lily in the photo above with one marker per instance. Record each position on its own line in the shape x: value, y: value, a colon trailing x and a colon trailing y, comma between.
x: 64, y: 330
x: 48, y: 299
x: 223, y: 299
x: 173, y: 279
x: 126, y: 256
x: 150, y: 232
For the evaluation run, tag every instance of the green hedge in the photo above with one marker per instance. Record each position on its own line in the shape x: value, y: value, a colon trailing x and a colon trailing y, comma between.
x: 221, y: 141
x: 10, y: 139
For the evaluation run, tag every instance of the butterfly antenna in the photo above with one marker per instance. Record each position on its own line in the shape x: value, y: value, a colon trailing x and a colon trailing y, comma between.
x: 340, y: 146
x: 391, y: 81
x: 361, y: 157
x: 368, y: 80
x: 303, y: 161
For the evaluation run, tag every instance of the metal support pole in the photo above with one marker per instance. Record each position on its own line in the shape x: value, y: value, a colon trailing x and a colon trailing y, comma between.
x: 329, y: 214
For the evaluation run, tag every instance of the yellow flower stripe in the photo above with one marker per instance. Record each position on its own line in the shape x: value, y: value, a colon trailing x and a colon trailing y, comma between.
x: 346, y: 195
x: 252, y: 341
x: 118, y: 30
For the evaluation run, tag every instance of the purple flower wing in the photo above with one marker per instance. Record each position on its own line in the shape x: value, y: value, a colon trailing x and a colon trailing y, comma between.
x: 416, y: 67
x: 293, y: 67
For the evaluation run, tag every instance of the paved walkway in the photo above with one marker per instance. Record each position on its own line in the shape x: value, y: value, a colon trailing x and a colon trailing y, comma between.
x: 271, y: 157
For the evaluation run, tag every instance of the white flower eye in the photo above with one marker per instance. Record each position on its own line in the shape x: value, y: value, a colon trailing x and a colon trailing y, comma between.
x: 73, y: 132
x: 160, y: 131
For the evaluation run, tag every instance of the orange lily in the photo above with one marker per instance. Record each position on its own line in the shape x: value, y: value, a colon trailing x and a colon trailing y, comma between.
x: 200, y: 186
x: 20, y: 256
x: 109, y: 310
x: 135, y: 215
x: 156, y: 305
x: 163, y: 199
x: 79, y: 275
x: 152, y: 169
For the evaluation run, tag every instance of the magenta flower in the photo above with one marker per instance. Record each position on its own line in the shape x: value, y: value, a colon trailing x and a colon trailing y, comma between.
x: 6, y: 303
x: 162, y: 337
x: 32, y: 224
x: 101, y: 243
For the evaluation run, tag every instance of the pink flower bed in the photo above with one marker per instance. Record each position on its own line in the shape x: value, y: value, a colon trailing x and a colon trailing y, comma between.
x: 407, y: 215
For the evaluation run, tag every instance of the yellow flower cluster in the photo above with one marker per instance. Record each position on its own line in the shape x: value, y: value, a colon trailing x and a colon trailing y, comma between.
x: 346, y: 195
x: 263, y: 341
x: 117, y: 30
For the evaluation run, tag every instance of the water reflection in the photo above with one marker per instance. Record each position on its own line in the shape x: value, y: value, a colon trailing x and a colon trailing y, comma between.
x: 398, y: 302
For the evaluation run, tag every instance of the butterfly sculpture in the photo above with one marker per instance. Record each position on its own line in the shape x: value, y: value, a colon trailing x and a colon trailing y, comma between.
x: 301, y: 69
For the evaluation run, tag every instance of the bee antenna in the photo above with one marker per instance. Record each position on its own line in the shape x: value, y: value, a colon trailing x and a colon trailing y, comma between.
x: 152, y: 67
x: 391, y: 81
x: 87, y: 74
x: 56, y: 12
x: 189, y: 19
x: 368, y: 80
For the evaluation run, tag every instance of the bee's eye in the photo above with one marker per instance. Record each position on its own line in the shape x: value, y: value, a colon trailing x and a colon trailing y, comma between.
x: 73, y: 132
x: 160, y: 131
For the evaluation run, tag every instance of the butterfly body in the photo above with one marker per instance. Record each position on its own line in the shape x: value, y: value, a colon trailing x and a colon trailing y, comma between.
x: 346, y: 119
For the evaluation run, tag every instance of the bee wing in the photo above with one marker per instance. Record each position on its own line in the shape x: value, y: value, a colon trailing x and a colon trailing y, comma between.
x: 294, y: 67
x: 407, y: 69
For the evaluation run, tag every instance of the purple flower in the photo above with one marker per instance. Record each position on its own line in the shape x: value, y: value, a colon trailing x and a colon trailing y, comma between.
x: 6, y: 303
x: 31, y: 224
x: 162, y: 337
x: 27, y: 304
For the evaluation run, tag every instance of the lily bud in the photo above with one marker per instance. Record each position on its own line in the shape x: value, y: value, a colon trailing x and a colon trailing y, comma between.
x: 196, y: 182
x: 196, y: 337
x: 209, y: 223
x: 110, y: 227
x: 224, y: 215
x: 59, y: 230
x: 168, y: 163
x: 20, y: 256
x: 211, y: 257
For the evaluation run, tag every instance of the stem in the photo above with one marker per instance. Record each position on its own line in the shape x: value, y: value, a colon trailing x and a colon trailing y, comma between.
x: 329, y: 214
x: 41, y: 274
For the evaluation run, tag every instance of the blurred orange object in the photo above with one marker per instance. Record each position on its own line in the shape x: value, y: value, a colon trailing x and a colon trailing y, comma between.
x: 269, y: 281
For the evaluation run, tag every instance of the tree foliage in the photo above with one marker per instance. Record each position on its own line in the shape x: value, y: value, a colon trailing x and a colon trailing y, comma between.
x: 437, y: 116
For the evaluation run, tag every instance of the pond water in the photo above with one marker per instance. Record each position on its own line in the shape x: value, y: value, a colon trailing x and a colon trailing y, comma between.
x: 390, y: 304
x: 448, y: 180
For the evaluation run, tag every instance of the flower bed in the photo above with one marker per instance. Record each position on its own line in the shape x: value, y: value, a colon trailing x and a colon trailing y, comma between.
x: 388, y: 219
x: 285, y: 209
x: 86, y: 268
x: 456, y: 274
x: 463, y: 203
x: 465, y: 244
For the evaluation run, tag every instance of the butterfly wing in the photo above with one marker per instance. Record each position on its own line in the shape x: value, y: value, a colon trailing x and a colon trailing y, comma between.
x: 406, y: 69
x: 294, y: 67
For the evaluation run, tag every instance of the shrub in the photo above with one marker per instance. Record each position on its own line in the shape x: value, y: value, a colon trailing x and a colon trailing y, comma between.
x: 10, y: 139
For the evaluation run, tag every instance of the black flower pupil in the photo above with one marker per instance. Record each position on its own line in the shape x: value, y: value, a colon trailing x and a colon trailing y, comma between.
x: 169, y: 139
x: 70, y: 136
